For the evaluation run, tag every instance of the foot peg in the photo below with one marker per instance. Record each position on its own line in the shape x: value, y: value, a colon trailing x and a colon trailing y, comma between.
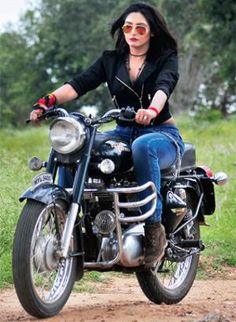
x: 192, y: 243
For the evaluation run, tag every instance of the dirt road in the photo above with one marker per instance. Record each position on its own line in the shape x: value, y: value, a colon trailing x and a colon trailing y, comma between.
x: 122, y: 300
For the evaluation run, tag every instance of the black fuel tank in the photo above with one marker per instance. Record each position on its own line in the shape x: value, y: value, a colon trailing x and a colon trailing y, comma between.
x: 114, y: 149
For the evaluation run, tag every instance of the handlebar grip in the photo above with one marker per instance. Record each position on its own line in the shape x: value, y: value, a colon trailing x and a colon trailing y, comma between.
x: 127, y: 115
x: 125, y: 119
x: 40, y: 118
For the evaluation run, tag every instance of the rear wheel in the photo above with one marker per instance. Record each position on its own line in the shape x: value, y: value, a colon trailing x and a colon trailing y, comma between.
x: 43, y: 281
x: 170, y: 281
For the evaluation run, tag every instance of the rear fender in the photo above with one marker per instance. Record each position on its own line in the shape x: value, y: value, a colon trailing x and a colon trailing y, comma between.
x: 46, y: 193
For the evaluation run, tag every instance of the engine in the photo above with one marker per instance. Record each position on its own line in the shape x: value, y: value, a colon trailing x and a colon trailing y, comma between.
x: 132, y: 240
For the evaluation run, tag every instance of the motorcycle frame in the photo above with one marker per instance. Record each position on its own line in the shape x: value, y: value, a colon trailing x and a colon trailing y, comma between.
x: 73, y: 197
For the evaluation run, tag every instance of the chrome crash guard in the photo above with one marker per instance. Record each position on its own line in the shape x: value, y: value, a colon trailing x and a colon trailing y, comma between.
x: 121, y: 218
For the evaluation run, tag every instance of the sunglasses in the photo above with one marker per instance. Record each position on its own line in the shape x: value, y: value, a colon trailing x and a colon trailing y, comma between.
x: 141, y: 30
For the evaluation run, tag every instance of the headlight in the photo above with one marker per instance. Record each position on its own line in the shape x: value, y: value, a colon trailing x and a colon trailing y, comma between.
x: 67, y: 135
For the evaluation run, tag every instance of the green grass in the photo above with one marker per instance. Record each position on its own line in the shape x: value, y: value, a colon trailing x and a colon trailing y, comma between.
x: 216, y: 147
x: 16, y: 147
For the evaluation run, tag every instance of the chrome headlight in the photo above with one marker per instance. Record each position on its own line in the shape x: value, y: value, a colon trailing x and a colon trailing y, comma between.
x: 67, y: 135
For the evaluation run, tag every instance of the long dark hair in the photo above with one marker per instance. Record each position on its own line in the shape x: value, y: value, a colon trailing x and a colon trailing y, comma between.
x: 161, y: 39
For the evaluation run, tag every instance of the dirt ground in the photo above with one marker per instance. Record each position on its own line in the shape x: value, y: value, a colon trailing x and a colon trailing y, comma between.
x: 212, y: 300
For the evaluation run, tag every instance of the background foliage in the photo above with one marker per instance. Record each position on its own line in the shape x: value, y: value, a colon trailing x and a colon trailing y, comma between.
x: 57, y: 39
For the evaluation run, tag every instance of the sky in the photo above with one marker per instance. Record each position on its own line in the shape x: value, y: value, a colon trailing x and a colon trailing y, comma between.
x: 10, y: 10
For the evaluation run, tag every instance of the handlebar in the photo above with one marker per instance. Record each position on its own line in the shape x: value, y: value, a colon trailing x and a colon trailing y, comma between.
x: 50, y: 113
x: 124, y: 114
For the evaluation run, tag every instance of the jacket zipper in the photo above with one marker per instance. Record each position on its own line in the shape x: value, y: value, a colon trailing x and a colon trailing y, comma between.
x: 115, y: 101
x: 130, y: 88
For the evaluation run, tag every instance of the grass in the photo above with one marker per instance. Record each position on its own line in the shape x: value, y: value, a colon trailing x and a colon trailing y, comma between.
x: 16, y: 148
x: 215, y: 145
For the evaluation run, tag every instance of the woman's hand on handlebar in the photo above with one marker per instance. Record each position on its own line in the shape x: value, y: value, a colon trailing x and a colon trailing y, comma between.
x: 35, y: 115
x: 144, y: 116
x: 41, y: 106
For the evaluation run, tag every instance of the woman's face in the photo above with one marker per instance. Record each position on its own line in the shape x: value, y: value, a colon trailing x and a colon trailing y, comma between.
x: 137, y: 38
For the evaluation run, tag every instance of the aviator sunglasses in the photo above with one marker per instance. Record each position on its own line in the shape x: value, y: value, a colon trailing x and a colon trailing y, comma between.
x: 141, y: 30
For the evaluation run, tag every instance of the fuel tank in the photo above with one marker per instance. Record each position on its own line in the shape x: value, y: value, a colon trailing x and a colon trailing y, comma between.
x: 109, y: 150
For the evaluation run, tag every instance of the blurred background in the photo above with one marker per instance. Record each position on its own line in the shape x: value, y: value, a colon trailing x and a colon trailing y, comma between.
x: 43, y: 43
x: 52, y: 40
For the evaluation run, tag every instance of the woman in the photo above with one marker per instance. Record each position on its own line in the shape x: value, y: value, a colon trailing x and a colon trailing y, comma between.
x: 141, y: 72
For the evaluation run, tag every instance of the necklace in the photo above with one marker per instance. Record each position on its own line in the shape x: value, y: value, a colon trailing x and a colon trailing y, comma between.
x: 138, y: 55
x: 139, y: 69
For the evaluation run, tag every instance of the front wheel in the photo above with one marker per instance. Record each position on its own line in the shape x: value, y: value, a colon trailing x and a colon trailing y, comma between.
x: 43, y: 281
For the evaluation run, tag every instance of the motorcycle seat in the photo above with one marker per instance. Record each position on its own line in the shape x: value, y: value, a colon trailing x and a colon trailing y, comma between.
x: 188, y: 162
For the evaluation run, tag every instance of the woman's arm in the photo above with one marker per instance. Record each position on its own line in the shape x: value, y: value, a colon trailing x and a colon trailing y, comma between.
x: 144, y: 116
x: 159, y: 100
x: 65, y: 93
x: 76, y: 87
x: 164, y: 85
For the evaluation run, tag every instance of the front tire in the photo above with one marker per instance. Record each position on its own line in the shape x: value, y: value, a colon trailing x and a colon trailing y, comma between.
x: 43, y: 281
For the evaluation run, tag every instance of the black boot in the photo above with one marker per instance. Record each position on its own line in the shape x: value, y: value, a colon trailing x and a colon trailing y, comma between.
x: 155, y: 242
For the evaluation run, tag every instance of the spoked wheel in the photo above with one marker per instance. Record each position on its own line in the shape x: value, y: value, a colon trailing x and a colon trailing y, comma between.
x: 170, y: 281
x: 43, y: 280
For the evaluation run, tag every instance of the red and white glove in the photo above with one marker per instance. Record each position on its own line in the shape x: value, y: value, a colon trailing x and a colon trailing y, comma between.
x: 42, y: 105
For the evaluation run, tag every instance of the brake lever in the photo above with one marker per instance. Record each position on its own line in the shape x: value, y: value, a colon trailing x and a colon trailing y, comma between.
x: 51, y: 111
x: 127, y: 115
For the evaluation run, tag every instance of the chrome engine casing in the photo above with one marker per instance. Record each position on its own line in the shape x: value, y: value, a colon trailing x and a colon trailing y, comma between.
x: 132, y: 252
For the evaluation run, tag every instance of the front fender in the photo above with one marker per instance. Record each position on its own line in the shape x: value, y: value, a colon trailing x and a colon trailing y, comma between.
x: 46, y: 193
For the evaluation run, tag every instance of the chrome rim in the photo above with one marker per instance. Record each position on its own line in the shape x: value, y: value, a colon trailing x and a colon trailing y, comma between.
x: 49, y: 274
x: 172, y: 274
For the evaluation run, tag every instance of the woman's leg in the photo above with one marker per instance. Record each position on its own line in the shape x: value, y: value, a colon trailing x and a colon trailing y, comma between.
x: 151, y: 153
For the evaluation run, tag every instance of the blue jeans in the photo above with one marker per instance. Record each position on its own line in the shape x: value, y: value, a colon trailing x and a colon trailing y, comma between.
x: 153, y: 149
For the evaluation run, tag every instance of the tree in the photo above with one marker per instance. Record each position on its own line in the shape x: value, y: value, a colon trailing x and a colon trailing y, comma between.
x: 18, y: 75
x: 58, y: 39
x: 217, y: 35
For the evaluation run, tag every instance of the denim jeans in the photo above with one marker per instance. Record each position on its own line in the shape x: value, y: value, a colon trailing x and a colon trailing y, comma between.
x: 154, y: 148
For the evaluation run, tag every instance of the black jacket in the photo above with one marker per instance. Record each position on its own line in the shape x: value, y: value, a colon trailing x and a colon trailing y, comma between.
x: 158, y: 74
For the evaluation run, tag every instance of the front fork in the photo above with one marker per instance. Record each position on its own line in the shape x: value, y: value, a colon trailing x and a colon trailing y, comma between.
x: 77, y: 193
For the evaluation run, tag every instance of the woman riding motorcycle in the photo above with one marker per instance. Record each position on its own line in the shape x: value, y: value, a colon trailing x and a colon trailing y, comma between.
x: 141, y: 72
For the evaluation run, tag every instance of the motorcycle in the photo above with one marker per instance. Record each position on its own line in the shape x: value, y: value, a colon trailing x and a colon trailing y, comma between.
x: 97, y: 221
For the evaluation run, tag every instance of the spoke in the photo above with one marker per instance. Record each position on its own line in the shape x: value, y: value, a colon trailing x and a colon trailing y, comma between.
x: 172, y: 274
x: 42, y: 289
x: 37, y: 268
x: 35, y: 254
x: 49, y: 283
